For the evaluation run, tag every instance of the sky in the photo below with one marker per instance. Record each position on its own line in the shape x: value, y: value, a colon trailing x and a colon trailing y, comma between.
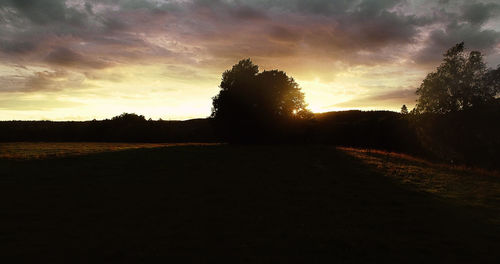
x: 95, y: 59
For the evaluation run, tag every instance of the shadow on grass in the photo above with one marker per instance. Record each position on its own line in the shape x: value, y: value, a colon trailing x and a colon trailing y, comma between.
x: 244, y: 203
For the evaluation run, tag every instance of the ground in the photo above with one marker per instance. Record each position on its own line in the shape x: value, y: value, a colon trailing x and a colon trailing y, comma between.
x: 248, y: 204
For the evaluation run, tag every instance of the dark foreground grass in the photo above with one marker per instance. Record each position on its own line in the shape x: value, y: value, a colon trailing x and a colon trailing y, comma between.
x: 248, y: 204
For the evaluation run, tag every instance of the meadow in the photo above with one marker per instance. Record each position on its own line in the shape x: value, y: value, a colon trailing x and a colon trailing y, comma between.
x: 247, y: 204
x: 463, y: 185
x: 42, y: 150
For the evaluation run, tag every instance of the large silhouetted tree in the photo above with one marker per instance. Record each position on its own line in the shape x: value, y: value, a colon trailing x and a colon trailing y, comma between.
x: 462, y: 81
x: 250, y: 103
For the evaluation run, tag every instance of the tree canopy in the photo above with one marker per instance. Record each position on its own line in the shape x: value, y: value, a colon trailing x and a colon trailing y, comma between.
x: 250, y: 100
x: 461, y: 82
x: 247, y: 94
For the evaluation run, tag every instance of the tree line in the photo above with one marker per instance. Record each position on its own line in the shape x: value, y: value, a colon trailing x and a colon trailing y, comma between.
x: 127, y: 127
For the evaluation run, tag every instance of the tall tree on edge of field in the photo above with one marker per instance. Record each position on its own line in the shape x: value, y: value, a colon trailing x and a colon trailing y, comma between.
x: 461, y: 82
x: 250, y: 102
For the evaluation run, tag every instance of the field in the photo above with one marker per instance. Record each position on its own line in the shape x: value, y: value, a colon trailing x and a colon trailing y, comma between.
x: 41, y: 150
x: 466, y: 186
x: 247, y: 204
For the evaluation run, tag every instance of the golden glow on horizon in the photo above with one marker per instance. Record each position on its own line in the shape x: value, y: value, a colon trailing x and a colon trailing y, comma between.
x: 168, y: 92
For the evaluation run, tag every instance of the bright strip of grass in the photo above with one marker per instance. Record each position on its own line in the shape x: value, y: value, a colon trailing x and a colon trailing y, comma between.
x: 42, y: 150
x: 468, y: 186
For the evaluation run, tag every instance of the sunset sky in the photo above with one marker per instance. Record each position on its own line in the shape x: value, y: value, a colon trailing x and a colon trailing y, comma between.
x: 80, y: 60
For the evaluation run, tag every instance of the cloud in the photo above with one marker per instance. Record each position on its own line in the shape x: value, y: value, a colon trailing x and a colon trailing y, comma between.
x: 47, y: 81
x: 406, y: 93
x: 442, y: 39
x: 27, y: 104
x: 43, y: 12
x: 18, y: 47
x: 65, y: 57
x: 473, y: 22
x: 102, y: 76
x: 247, y: 13
x: 479, y: 13
x: 42, y: 81
x: 393, y: 98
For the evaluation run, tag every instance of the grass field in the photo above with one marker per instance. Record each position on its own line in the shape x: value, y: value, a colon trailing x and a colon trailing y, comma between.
x: 247, y: 204
x: 42, y: 150
x: 465, y: 186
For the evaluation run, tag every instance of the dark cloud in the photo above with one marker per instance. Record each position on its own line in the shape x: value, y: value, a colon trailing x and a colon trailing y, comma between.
x: 322, y: 7
x: 18, y: 47
x: 44, y: 12
x: 440, y: 40
x: 114, y: 24
x: 89, y: 8
x: 384, y: 28
x: 281, y: 33
x: 479, y: 13
x: 372, y: 8
x: 464, y: 22
x: 62, y: 56
x: 248, y: 13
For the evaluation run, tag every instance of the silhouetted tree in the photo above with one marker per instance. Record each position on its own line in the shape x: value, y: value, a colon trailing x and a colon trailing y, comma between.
x: 129, y: 118
x: 250, y: 103
x: 404, y: 110
x: 461, y: 110
x: 461, y: 82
